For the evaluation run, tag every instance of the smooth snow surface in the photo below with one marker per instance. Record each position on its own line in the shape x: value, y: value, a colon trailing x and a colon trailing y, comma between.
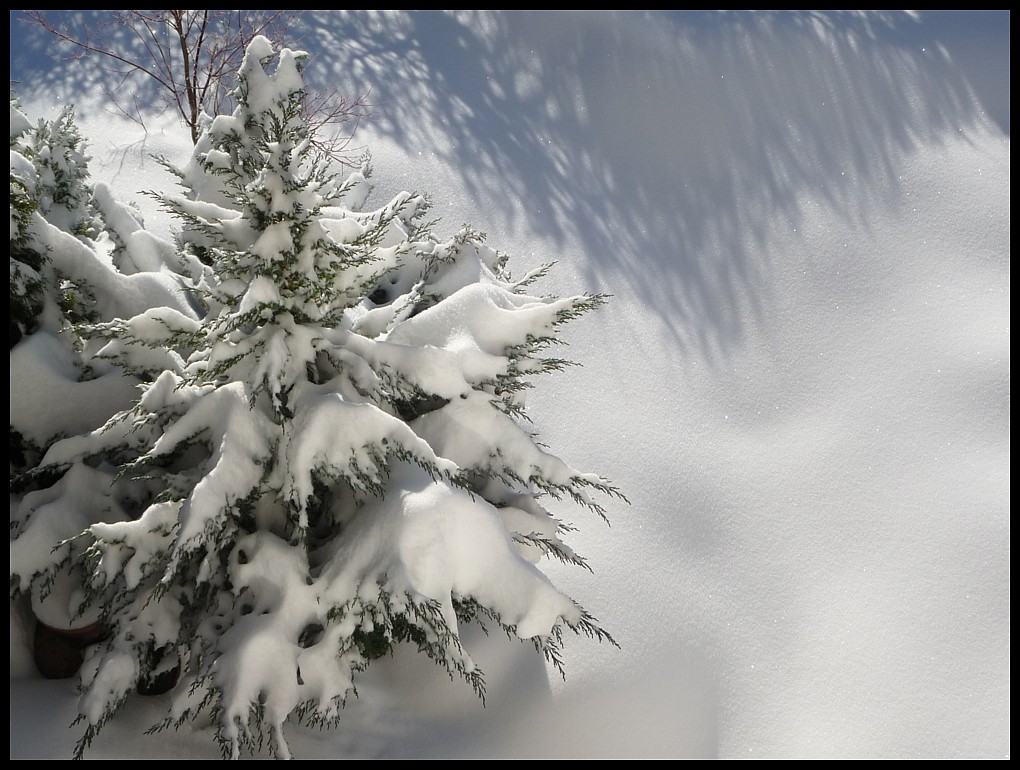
x: 801, y: 382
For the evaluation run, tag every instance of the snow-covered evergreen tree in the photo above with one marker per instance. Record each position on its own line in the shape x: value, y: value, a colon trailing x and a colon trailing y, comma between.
x: 26, y: 286
x: 61, y: 276
x: 49, y: 204
x: 334, y: 460
x: 57, y: 150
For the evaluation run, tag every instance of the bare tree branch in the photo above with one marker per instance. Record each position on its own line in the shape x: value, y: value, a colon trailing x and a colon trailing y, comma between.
x: 193, y: 57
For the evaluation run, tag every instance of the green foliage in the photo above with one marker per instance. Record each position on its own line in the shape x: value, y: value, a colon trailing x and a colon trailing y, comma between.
x: 58, y: 152
x: 26, y: 264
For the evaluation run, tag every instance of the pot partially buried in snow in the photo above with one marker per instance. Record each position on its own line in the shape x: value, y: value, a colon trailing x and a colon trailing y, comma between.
x: 63, y: 630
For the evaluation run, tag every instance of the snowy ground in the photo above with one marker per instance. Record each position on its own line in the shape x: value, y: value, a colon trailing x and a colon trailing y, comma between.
x: 802, y: 383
